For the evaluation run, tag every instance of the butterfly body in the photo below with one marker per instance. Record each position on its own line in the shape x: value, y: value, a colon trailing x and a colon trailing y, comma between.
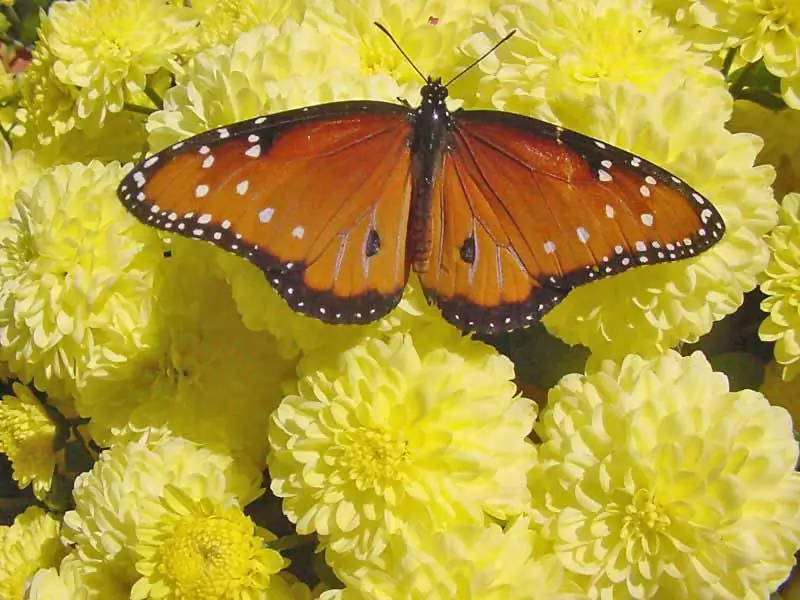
x: 501, y: 215
x: 431, y: 124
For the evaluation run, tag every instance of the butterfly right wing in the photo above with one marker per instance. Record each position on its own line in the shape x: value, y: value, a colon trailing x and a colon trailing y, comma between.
x: 527, y: 211
x: 318, y: 198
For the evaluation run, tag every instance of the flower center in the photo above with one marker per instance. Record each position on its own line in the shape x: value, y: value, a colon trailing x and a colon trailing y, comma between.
x: 374, y: 458
x: 206, y: 557
x: 642, y: 522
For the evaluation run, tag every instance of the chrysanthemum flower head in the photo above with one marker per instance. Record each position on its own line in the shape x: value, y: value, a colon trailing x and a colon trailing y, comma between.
x: 469, y: 561
x: 655, y: 480
x: 204, y: 375
x: 47, y: 105
x: 569, y: 47
x: 122, y: 493
x: 107, y: 49
x: 31, y: 543
x: 221, y: 21
x: 781, y: 284
x: 27, y: 437
x: 768, y: 29
x: 429, y: 32
x: 19, y: 168
x: 204, y: 550
x: 63, y: 582
x: 399, y: 432
x: 76, y: 275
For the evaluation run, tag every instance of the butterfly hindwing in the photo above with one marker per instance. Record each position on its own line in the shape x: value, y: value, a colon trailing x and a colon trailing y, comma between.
x: 283, y: 192
x: 540, y: 210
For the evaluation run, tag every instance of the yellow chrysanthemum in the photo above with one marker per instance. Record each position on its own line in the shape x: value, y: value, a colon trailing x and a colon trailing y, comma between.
x: 203, y: 550
x: 780, y: 130
x: 478, y: 561
x: 46, y: 122
x: 19, y: 168
x: 221, y: 21
x: 569, y: 47
x: 47, y: 106
x: 61, y: 583
x: 429, y: 31
x: 205, y: 376
x: 27, y: 437
x: 781, y: 284
x: 107, y: 48
x: 122, y: 494
x: 400, y: 431
x: 76, y: 276
x: 656, y: 481
x: 768, y: 29
x: 31, y: 543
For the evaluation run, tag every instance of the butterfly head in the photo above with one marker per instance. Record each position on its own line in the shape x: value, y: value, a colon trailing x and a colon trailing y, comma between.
x: 434, y: 92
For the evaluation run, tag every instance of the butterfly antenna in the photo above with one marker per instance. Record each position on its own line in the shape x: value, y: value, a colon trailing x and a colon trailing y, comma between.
x: 484, y: 55
x: 394, y: 41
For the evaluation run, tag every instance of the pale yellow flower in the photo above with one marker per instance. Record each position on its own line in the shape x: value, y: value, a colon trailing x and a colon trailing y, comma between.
x: 400, y: 431
x: 31, y: 543
x: 655, y: 480
x: 489, y: 562
x: 781, y: 284
x: 27, y: 437
x: 122, y: 494
x: 203, y: 550
x: 76, y: 277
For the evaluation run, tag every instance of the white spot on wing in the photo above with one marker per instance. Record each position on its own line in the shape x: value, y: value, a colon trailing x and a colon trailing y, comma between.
x: 298, y: 232
x: 644, y: 191
x: 549, y: 247
x: 603, y: 175
x: 201, y: 190
x: 241, y: 187
x: 204, y: 219
x: 209, y: 160
x: 647, y: 219
x: 266, y: 215
x: 150, y: 161
x: 253, y: 151
x: 609, y: 211
x: 583, y: 235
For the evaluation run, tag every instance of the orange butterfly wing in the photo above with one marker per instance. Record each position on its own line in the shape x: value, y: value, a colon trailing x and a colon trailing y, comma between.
x: 318, y: 198
x: 524, y: 211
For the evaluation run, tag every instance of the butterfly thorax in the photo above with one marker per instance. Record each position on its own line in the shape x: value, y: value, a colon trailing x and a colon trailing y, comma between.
x: 429, y: 139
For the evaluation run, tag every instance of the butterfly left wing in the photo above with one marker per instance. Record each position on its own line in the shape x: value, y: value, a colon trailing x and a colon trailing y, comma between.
x: 318, y: 198
x: 524, y: 211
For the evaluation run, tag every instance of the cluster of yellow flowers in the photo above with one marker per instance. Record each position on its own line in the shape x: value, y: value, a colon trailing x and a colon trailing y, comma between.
x: 227, y: 434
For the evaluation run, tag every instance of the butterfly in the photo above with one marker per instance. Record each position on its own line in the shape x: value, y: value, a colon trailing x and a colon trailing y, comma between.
x: 499, y: 214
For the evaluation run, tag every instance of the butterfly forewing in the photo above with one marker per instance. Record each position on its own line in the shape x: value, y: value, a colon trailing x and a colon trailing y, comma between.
x: 529, y: 211
x: 317, y: 198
